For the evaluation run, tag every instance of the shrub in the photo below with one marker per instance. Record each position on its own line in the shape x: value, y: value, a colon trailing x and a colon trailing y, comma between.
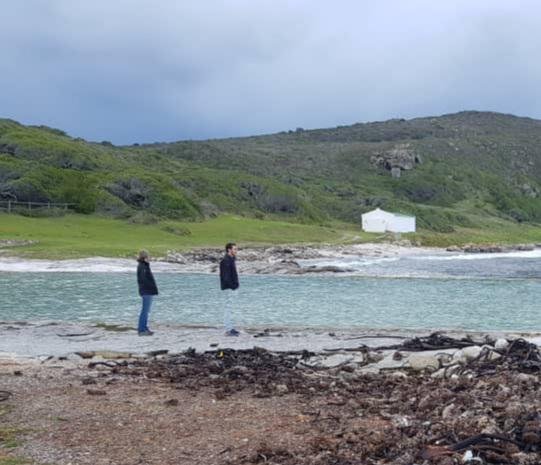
x: 429, y: 189
x: 155, y: 193
x: 48, y: 184
x: 177, y: 230
x: 40, y: 212
x: 110, y: 205
x: 143, y: 217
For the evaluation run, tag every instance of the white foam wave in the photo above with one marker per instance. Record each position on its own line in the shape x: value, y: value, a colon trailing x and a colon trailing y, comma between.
x: 482, y: 256
x: 348, y: 263
x: 85, y: 265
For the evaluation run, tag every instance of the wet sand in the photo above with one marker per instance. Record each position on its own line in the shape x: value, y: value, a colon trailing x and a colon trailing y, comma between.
x: 48, y: 338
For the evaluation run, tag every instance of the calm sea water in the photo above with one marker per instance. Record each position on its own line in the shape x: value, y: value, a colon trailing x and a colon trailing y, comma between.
x: 490, y: 292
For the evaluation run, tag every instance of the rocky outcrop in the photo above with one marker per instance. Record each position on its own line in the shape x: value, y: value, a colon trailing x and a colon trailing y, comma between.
x: 268, y: 254
x: 491, y: 248
x: 287, y: 259
x: 529, y: 191
x: 262, y: 260
x: 327, y: 269
x: 279, y: 267
x: 400, y: 158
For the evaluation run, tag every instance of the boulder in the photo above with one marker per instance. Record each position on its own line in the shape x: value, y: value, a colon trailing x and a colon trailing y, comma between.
x: 529, y: 191
x: 453, y: 248
x: 401, y: 157
x: 326, y: 269
x: 282, y: 388
x: 467, y: 354
x: 448, y: 411
x: 175, y: 257
x: 104, y: 354
x: 526, y: 378
x: 424, y: 361
x: 96, y: 392
x: 280, y: 267
x: 378, y: 362
x: 501, y: 344
x: 336, y: 360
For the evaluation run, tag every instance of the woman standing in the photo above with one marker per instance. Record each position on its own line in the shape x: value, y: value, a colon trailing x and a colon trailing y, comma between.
x: 147, y: 290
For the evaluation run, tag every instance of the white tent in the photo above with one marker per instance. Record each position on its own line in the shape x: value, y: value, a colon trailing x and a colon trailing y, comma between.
x: 381, y: 221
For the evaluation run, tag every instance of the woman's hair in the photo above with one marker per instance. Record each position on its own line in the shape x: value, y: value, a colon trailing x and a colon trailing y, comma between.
x: 143, y: 255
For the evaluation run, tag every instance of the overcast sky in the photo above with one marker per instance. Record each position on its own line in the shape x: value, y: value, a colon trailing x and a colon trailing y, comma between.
x: 162, y: 70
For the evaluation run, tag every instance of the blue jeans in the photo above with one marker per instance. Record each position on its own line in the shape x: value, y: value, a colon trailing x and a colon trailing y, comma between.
x: 145, y: 310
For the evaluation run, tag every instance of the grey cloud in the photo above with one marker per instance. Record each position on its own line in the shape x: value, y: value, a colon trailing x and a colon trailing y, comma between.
x: 141, y: 70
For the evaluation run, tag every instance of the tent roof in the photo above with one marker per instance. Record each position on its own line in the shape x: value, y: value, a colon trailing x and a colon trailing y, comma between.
x: 379, y: 210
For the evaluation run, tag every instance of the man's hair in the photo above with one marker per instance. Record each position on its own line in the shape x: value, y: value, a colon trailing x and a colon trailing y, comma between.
x: 229, y: 246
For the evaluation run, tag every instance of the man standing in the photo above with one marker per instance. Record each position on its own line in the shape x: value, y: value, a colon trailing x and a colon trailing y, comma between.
x: 229, y: 282
x: 147, y: 291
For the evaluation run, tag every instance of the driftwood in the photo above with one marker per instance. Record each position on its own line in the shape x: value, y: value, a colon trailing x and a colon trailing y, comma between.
x: 76, y: 334
x: 477, y: 442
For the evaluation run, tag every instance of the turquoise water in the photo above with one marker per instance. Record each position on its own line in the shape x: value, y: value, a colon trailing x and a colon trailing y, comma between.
x: 488, y: 302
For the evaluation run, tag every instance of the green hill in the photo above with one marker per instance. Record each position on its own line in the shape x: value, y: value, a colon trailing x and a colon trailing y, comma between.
x: 453, y: 171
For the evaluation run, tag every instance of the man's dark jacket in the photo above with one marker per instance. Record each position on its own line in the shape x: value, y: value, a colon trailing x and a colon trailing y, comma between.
x: 145, y: 280
x: 229, y: 279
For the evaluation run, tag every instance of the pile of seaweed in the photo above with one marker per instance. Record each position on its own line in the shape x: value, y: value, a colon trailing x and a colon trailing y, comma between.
x: 488, y: 411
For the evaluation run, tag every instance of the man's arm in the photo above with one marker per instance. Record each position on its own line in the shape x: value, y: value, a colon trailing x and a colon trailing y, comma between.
x: 234, y: 275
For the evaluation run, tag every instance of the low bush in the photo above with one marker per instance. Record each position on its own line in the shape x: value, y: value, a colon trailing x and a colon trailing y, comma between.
x: 177, y: 230
x: 40, y: 212
x: 143, y: 217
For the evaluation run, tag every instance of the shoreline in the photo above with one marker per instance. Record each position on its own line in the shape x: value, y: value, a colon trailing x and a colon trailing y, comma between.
x: 244, y: 406
x: 42, y: 340
x: 283, y: 260
x: 276, y: 260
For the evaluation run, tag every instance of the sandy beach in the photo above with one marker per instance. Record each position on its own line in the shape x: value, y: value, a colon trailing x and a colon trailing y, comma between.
x: 59, y: 339
x: 85, y: 395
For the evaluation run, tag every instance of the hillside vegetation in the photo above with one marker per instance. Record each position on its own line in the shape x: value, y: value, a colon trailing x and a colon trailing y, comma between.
x: 453, y: 172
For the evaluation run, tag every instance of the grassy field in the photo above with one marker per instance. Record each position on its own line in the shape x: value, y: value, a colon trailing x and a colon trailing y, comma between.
x: 509, y: 235
x: 488, y: 230
x: 74, y: 236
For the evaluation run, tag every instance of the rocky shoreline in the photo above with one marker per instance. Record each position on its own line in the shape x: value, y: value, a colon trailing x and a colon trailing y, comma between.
x: 493, y: 248
x: 277, y: 260
x: 289, y: 259
x: 295, y: 260
x: 286, y: 260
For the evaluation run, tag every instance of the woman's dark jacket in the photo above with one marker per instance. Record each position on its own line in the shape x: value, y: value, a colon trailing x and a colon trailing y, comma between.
x: 145, y: 280
x: 229, y: 279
